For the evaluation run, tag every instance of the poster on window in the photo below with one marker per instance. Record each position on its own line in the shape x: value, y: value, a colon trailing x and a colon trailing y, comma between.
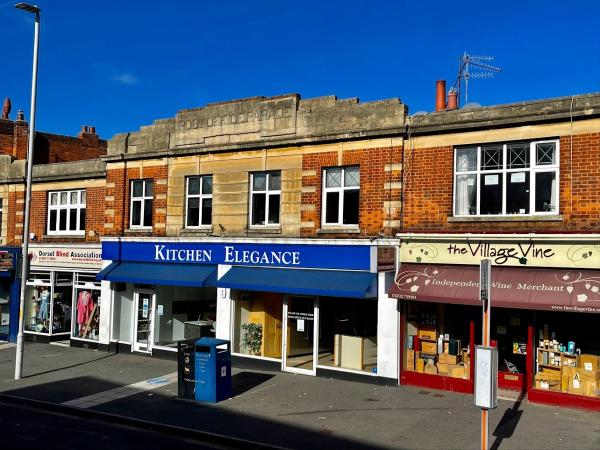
x: 517, y: 177
x: 491, y: 180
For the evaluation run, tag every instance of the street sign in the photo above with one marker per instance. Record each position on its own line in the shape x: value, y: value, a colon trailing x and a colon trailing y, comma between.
x: 486, y: 377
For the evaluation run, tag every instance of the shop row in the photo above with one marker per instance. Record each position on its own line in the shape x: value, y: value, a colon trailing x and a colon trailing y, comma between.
x: 315, y: 308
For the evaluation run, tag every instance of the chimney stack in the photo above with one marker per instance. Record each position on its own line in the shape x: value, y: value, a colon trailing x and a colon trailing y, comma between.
x: 440, y: 95
x: 92, y: 130
x: 452, y: 99
x: 20, y: 116
x: 6, y: 107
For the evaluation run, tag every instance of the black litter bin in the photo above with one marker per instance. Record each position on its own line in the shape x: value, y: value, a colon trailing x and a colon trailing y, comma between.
x: 186, y: 369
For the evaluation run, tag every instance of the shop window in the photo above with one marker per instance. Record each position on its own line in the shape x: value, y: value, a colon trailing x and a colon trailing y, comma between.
x: 516, y: 178
x: 48, y: 299
x: 183, y: 313
x: 4, y: 307
x: 265, y: 198
x: 258, y: 324
x: 348, y: 334
x: 141, y: 204
x: 567, y: 355
x: 86, y: 307
x: 437, y: 339
x: 341, y: 195
x: 198, y: 201
x: 1, y: 215
x: 66, y: 212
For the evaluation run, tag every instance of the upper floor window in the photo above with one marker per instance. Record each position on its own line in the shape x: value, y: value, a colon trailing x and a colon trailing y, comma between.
x: 265, y: 197
x: 198, y: 201
x: 515, y: 178
x: 66, y: 212
x: 341, y: 195
x: 141, y: 204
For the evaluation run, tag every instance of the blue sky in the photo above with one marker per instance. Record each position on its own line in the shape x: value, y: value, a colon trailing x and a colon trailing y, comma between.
x: 119, y: 65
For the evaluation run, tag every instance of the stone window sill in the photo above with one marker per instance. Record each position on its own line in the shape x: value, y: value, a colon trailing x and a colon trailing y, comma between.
x: 197, y: 231
x: 63, y: 236
x: 147, y: 231
x: 264, y: 231
x: 553, y: 218
x: 339, y: 230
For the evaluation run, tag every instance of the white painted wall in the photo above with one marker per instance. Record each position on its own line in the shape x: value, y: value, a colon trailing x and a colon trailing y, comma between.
x: 106, y: 306
x: 223, y: 307
x: 387, y: 328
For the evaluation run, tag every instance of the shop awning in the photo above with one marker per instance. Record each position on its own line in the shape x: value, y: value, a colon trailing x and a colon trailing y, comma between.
x: 329, y: 283
x: 195, y: 275
x: 512, y: 287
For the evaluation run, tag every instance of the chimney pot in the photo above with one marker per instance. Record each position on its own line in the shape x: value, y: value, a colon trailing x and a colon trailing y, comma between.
x: 93, y: 130
x: 440, y: 95
x: 452, y: 99
x: 20, y: 115
x: 84, y: 128
x: 6, y: 107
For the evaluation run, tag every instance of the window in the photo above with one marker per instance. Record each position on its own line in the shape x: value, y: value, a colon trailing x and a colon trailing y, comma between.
x: 515, y: 178
x: 341, y: 195
x: 198, y: 201
x: 141, y: 204
x: 265, y: 198
x: 66, y: 212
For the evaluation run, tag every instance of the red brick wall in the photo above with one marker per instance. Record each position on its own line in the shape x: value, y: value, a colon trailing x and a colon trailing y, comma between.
x: 428, y: 194
x: 121, y: 199
x: 373, y: 189
x: 39, y: 216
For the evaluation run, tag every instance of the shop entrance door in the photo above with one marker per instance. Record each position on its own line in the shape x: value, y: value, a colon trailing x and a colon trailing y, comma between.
x: 143, y: 334
x: 300, y: 335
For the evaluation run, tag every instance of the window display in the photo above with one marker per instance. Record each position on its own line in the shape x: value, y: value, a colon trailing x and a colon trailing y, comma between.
x: 87, y: 314
x: 48, y: 299
x: 437, y: 339
x: 258, y: 324
x: 567, y: 355
x: 37, y: 315
x: 348, y: 333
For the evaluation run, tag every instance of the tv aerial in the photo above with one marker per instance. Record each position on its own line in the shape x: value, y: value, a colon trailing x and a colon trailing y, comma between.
x: 473, y: 66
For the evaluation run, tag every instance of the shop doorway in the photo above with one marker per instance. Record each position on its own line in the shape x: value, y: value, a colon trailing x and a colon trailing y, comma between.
x: 300, y: 334
x: 143, y: 331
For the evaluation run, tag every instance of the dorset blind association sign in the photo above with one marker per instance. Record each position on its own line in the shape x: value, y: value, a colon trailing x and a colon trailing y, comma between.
x: 520, y: 253
x: 87, y: 258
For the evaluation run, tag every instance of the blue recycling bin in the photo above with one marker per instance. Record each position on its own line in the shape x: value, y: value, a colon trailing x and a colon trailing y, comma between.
x: 212, y: 358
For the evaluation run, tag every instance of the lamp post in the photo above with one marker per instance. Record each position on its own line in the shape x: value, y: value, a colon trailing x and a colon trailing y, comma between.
x: 25, y: 253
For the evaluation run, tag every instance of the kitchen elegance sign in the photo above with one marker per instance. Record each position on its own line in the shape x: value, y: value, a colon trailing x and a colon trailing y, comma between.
x: 529, y: 253
x: 301, y: 256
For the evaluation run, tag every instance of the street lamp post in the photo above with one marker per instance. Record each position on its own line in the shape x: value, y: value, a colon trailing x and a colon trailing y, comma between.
x: 25, y: 259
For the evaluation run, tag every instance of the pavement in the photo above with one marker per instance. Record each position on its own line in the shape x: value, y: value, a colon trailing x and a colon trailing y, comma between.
x: 282, y: 409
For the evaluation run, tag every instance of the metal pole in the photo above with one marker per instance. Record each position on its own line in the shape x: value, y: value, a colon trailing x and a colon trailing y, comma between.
x: 25, y: 254
x: 486, y: 269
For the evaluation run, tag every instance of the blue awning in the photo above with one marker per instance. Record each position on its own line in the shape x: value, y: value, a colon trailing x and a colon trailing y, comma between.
x: 195, y: 275
x: 329, y: 283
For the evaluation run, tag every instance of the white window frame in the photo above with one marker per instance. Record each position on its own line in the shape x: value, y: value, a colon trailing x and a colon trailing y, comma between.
x: 141, y: 199
x: 80, y: 205
x: 341, y: 190
x: 201, y: 196
x: 533, y: 169
x: 268, y: 193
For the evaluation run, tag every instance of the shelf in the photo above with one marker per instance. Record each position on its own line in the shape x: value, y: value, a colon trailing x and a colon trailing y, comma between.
x: 550, y: 366
x: 569, y: 355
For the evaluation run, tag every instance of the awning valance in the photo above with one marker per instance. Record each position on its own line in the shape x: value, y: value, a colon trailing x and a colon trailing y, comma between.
x: 195, y: 275
x: 330, y: 283
x: 512, y: 287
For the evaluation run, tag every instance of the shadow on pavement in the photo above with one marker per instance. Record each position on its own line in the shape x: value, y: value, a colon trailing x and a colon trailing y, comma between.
x: 58, y: 369
x: 244, y: 381
x: 508, y: 424
x: 157, y: 410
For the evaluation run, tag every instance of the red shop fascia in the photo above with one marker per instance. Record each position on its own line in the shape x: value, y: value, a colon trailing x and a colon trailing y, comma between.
x: 545, y: 297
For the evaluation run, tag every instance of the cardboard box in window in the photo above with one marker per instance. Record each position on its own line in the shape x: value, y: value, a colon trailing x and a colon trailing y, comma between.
x: 420, y: 365
x: 449, y: 359
x: 442, y: 368
x: 429, y: 347
x: 410, y: 360
x: 589, y: 363
x: 458, y: 371
x: 430, y: 367
x: 542, y: 382
x: 566, y: 375
x: 428, y: 333
x: 551, y: 374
